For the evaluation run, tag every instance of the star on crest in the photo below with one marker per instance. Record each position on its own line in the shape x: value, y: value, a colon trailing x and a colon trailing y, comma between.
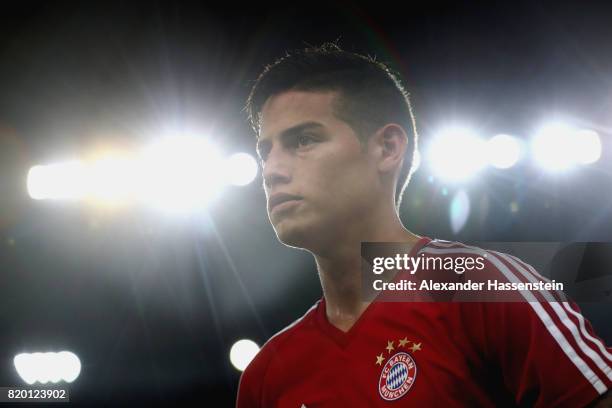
x: 380, y: 359
x: 402, y: 342
x: 415, y: 347
x: 390, y: 347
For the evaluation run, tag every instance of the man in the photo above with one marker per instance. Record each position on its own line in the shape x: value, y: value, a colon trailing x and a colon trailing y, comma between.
x: 336, y: 139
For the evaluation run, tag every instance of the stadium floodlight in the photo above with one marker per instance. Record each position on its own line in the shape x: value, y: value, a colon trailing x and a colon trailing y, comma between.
x: 57, y: 181
x: 587, y: 146
x: 108, y: 179
x: 240, y: 169
x: 111, y: 178
x: 179, y: 173
x: 47, y: 367
x: 553, y: 146
x: 503, y: 151
x: 558, y: 146
x: 242, y: 352
x: 176, y: 173
x: 457, y: 154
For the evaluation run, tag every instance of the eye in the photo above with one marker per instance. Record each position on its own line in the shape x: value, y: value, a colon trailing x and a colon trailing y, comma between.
x: 304, y: 140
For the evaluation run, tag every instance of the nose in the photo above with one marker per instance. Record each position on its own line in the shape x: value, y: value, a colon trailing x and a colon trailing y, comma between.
x: 276, y: 169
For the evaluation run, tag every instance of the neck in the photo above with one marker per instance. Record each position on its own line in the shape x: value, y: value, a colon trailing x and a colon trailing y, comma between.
x: 340, y: 269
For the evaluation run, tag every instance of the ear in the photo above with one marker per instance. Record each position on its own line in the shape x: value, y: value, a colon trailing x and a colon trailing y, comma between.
x: 390, y: 142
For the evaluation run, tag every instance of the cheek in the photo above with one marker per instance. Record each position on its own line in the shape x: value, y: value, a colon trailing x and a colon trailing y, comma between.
x: 342, y: 181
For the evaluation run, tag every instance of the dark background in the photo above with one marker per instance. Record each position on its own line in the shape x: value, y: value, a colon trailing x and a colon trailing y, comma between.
x: 151, y: 303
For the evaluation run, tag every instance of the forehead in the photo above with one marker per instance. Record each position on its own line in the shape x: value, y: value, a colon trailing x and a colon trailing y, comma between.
x: 292, y: 108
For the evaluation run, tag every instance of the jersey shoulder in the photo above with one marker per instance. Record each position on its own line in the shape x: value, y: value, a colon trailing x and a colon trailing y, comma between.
x: 275, y: 345
x: 252, y: 389
x: 501, y: 273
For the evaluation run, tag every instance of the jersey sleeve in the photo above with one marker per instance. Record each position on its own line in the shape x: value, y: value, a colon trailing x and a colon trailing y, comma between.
x: 547, y: 351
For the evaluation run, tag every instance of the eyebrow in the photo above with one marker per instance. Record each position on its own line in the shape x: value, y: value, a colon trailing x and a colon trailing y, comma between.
x: 297, y: 129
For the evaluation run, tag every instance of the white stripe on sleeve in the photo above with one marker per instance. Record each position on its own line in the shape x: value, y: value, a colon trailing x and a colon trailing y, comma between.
x: 550, y: 325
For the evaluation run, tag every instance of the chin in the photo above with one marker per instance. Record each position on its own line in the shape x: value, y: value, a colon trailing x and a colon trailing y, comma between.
x: 290, y: 234
x: 290, y: 238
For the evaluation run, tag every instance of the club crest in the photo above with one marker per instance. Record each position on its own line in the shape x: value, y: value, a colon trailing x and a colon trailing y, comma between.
x: 399, y: 371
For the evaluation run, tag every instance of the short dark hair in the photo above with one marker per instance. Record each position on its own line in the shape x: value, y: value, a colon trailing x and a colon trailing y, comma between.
x: 370, y: 94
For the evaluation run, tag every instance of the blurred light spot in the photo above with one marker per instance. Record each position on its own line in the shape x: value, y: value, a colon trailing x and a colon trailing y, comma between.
x: 588, y: 146
x: 47, y: 367
x: 111, y: 179
x: 242, y: 352
x: 175, y: 173
x: 459, y: 211
x: 430, y: 179
x: 179, y: 173
x: 558, y: 146
x: 503, y: 151
x: 514, y: 207
x: 241, y: 169
x: 552, y: 147
x: 456, y: 154
x: 444, y: 191
x: 10, y: 242
x: 57, y: 181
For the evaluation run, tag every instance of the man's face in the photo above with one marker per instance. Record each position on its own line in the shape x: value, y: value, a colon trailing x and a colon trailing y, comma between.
x: 317, y: 178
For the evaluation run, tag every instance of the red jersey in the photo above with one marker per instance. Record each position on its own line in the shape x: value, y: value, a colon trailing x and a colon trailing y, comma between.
x: 400, y: 354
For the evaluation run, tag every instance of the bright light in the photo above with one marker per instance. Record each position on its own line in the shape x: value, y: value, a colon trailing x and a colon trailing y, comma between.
x: 503, y: 151
x: 553, y: 148
x: 242, y: 352
x: 587, y: 146
x: 57, y: 181
x: 176, y: 173
x: 241, y: 169
x: 180, y: 173
x: 559, y: 146
x: 47, y: 367
x: 457, y: 154
x: 111, y: 179
x: 71, y: 366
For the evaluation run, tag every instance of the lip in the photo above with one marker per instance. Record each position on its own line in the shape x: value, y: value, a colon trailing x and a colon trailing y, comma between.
x: 282, y: 200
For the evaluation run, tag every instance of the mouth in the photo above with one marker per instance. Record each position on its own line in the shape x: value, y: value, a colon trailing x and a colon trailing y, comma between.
x: 281, y: 201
